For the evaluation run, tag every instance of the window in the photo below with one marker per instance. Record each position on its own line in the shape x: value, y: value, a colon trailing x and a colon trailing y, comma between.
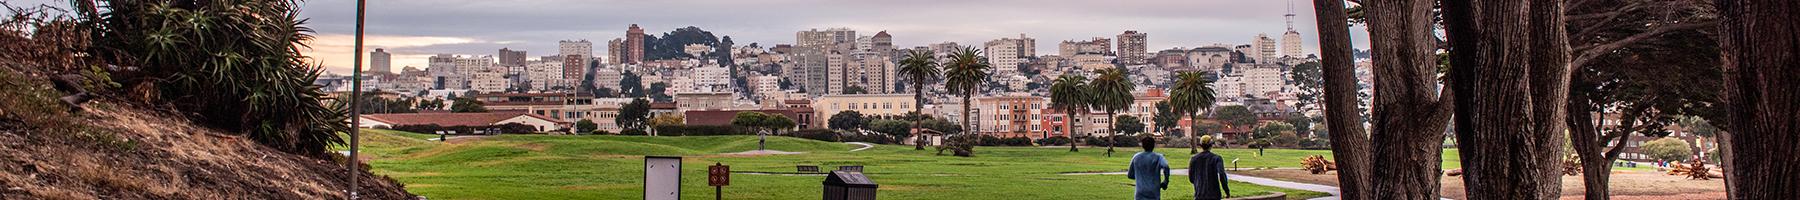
x: 887, y: 105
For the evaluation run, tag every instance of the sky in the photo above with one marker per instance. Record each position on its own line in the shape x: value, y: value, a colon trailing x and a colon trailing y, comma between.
x: 416, y: 29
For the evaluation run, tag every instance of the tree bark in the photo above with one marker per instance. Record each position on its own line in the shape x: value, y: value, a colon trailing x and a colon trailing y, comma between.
x: 1112, y: 130
x: 1760, y: 47
x: 1069, y: 121
x: 1349, y: 144
x: 1409, y: 115
x: 1511, y: 58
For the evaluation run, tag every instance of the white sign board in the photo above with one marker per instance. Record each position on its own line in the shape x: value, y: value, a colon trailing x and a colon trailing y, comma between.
x: 662, y: 178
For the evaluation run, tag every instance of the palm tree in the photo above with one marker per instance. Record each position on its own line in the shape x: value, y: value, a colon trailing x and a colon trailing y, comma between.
x: 1069, y: 94
x: 966, y: 72
x: 1191, y: 93
x: 920, y: 67
x: 1112, y: 92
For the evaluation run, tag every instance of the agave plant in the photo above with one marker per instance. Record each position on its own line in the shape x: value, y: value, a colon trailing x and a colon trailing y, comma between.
x: 231, y: 64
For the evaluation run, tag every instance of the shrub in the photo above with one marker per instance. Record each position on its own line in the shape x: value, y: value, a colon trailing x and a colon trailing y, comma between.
x: 1054, y: 141
x: 701, y: 130
x: 1125, y: 140
x: 817, y: 134
x: 1315, y: 143
x: 960, y: 145
x: 633, y: 132
x: 868, y: 138
x: 1667, y: 149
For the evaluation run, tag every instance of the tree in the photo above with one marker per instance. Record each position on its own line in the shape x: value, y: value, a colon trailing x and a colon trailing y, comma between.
x: 919, y: 68
x: 967, y: 70
x: 1111, y: 92
x: 466, y: 105
x: 633, y: 114
x: 893, y: 128
x: 631, y: 85
x: 585, y: 126
x: 1193, y: 92
x: 1128, y: 125
x: 1343, y: 115
x: 855, y: 90
x: 1667, y: 149
x: 664, y: 120
x: 1762, y: 74
x: 1309, y: 78
x: 846, y: 120
x: 1634, y: 82
x: 1165, y: 117
x: 1302, y: 124
x: 1511, y: 59
x: 659, y: 91
x: 753, y: 120
x: 1235, y: 117
x: 1069, y: 94
x: 1408, y: 115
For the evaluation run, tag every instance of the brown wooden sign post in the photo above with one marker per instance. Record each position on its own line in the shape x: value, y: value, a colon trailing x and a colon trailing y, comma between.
x: 718, y: 176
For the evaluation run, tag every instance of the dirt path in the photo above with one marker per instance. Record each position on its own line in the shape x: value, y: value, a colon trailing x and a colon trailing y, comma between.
x: 1624, y: 185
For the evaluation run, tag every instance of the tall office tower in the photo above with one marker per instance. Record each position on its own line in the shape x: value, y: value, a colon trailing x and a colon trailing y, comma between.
x: 1098, y: 45
x: 634, y: 45
x: 615, y: 51
x: 883, y: 42
x: 511, y: 58
x: 580, y: 47
x: 381, y: 61
x: 1263, y: 49
x: 1006, y: 54
x: 1133, y: 48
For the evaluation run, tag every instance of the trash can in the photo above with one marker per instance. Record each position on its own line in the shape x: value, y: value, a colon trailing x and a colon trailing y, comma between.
x: 846, y: 185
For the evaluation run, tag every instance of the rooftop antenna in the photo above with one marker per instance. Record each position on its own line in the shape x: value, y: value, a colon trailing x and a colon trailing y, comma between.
x: 1290, y: 15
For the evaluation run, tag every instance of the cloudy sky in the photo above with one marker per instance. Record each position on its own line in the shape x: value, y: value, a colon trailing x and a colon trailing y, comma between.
x: 416, y: 29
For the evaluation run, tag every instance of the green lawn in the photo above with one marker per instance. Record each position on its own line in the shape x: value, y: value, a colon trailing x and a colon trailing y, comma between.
x: 610, y: 167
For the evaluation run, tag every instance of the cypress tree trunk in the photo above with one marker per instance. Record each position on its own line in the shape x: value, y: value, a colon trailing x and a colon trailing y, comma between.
x: 1349, y: 144
x: 1760, y: 45
x: 1511, y: 60
x: 1409, y: 114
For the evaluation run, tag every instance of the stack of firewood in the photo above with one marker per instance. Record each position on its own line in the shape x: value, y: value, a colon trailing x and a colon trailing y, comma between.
x: 1317, y: 164
x: 1695, y: 170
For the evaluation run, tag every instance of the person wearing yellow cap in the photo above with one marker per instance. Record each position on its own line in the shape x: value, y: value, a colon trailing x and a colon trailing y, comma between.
x: 1207, y: 172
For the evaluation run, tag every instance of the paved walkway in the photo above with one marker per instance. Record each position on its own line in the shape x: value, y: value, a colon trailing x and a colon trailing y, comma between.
x: 1252, y: 180
x: 865, y: 146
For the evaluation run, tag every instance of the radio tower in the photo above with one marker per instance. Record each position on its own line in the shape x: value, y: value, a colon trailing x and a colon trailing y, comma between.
x: 1290, y: 15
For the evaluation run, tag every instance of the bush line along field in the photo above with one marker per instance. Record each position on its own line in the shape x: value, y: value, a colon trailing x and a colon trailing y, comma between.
x: 610, y: 167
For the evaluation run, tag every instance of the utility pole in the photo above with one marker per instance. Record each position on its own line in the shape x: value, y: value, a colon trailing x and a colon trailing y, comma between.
x: 355, y: 101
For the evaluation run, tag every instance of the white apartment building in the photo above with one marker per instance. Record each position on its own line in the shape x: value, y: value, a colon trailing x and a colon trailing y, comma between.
x: 1006, y: 54
x: 867, y: 104
x: 1210, y: 58
x: 1098, y: 45
x: 489, y: 80
x: 873, y: 72
x: 711, y: 79
x: 696, y: 50
x: 765, y: 85
x: 576, y: 47
x: 544, y: 75
x: 1263, y: 49
x: 1251, y: 80
x: 608, y: 78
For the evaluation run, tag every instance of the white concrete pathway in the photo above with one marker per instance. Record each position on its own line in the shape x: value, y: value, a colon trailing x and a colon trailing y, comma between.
x: 865, y: 146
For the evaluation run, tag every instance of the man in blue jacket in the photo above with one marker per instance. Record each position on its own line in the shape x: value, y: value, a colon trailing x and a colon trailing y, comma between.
x: 1207, y: 172
x: 1145, y: 166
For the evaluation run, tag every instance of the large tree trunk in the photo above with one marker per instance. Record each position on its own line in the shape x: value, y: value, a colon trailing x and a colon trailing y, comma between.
x: 1760, y: 44
x: 1409, y: 115
x: 1349, y: 144
x: 1510, y: 59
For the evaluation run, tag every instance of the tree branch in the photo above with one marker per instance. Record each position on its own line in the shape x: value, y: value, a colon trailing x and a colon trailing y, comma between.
x: 1589, y: 52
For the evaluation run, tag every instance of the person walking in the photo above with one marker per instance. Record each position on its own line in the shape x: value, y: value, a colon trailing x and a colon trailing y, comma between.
x: 1207, y: 172
x: 1145, y: 167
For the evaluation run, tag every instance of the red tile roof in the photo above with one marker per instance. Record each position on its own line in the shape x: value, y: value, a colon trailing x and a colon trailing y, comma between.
x: 450, y: 119
x: 662, y: 105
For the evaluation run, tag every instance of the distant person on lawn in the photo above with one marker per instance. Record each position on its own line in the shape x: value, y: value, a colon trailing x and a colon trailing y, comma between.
x: 1207, y: 172
x: 1144, y: 168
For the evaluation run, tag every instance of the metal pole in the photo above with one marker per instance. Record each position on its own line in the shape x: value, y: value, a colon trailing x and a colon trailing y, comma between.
x: 356, y: 102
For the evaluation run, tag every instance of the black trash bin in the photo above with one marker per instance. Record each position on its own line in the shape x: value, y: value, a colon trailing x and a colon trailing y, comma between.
x: 847, y: 185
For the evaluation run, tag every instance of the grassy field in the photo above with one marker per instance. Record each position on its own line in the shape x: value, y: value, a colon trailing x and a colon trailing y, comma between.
x: 610, y: 167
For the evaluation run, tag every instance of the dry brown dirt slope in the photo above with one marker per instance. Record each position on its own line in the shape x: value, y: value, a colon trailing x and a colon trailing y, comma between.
x: 116, y: 151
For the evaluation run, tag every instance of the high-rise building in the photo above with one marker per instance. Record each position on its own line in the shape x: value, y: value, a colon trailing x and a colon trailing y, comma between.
x: 380, y: 61
x: 1098, y: 45
x: 511, y: 58
x: 883, y: 42
x: 545, y: 74
x: 576, y: 47
x: 615, y: 51
x: 1006, y: 54
x: 1290, y: 44
x: 870, y: 71
x: 819, y: 55
x: 572, y: 66
x: 1133, y: 47
x: 634, y: 45
x: 1262, y: 49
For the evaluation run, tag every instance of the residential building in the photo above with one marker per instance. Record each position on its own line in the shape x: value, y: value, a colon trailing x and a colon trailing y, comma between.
x: 634, y: 45
x: 702, y: 101
x: 1290, y: 44
x: 882, y: 42
x: 696, y: 50
x: 572, y: 67
x: 1011, y: 116
x: 1098, y: 45
x: 543, y: 75
x: 380, y: 61
x: 710, y: 79
x: 615, y: 51
x: 1006, y: 54
x: 511, y: 58
x: 866, y: 104
x: 582, y: 48
x: 608, y: 78
x: 1133, y: 47
x: 873, y: 72
x: 1262, y: 48
x: 1209, y: 58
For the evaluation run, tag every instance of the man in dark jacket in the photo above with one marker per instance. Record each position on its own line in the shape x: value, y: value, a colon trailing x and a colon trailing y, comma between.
x: 1207, y: 172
